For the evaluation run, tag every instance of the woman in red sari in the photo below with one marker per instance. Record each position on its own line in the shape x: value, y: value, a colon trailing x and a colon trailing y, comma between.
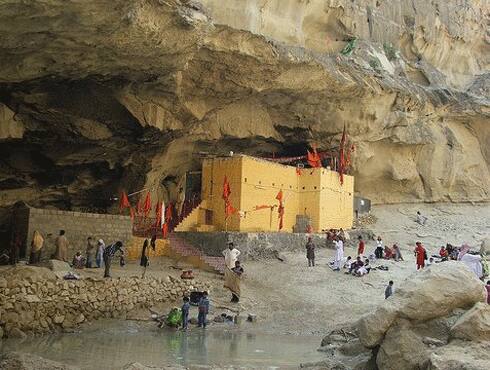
x: 420, y: 255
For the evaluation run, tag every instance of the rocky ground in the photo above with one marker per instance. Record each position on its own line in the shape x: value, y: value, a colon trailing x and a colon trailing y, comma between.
x: 289, y: 298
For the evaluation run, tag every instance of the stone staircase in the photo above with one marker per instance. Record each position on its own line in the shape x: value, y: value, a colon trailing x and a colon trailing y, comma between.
x: 183, y: 250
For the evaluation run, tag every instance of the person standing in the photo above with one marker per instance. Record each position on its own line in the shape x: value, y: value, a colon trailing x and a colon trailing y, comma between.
x: 232, y: 281
x: 339, y: 253
x: 185, y: 313
x: 420, y: 255
x: 36, y: 247
x: 231, y: 255
x: 90, y: 252
x: 378, y: 252
x: 203, y: 310
x: 310, y: 252
x: 361, y: 246
x: 109, y: 252
x: 144, y: 260
x: 389, y: 290
x: 62, y: 244
x: 100, y: 252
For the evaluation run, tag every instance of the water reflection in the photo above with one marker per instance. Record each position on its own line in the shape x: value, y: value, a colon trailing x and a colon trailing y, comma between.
x: 112, y: 344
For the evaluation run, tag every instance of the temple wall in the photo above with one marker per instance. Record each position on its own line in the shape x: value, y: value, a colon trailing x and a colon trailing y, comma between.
x: 316, y: 193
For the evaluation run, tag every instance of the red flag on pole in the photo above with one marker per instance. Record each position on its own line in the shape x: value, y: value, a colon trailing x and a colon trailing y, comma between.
x: 314, y: 159
x: 147, y: 205
x: 280, y: 210
x: 342, y: 157
x: 168, y: 218
x: 124, y: 201
x: 158, y: 214
x: 229, y: 210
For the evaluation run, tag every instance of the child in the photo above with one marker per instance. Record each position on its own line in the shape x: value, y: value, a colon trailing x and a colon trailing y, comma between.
x: 185, y: 313
x: 389, y: 290
x: 203, y: 310
x: 348, y: 263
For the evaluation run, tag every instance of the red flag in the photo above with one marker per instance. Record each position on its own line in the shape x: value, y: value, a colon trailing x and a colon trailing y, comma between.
x: 226, y: 189
x: 298, y: 171
x: 168, y: 218
x: 314, y: 159
x: 124, y: 201
x: 158, y: 214
x: 229, y: 209
x: 280, y: 210
x: 147, y: 204
x: 342, y: 157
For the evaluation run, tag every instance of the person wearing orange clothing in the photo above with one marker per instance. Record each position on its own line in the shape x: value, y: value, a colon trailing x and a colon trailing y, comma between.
x: 420, y: 255
x: 360, y: 248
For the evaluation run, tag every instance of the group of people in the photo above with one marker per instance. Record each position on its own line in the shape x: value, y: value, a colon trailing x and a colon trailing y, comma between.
x: 96, y: 252
x: 203, y: 310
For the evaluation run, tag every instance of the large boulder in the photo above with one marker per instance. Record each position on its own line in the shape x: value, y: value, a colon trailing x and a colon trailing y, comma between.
x: 474, y: 324
x: 402, y: 348
x: 460, y: 356
x: 434, y: 292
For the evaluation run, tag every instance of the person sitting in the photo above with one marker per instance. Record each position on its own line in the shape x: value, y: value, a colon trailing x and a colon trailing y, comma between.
x: 78, y: 261
x: 364, y: 269
x: 421, y: 219
x: 389, y: 253
x: 356, y: 265
x: 397, y: 253
x: 348, y: 263
x: 443, y: 253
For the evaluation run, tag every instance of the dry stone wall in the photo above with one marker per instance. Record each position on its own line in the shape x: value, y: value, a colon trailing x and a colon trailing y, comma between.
x: 78, y: 226
x: 33, y: 300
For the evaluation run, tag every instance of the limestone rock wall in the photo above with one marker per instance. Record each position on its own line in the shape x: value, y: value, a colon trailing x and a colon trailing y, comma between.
x: 125, y: 94
x: 35, y: 301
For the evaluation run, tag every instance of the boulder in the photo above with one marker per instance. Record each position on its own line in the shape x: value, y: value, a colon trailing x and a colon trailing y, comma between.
x: 460, y: 355
x: 373, y: 326
x: 474, y: 324
x: 58, y: 266
x: 402, y: 349
x: 428, y: 294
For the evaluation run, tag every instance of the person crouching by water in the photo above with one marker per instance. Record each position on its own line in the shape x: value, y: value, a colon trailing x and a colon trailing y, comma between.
x: 203, y: 310
x: 310, y: 252
x: 36, y: 247
x: 109, y: 252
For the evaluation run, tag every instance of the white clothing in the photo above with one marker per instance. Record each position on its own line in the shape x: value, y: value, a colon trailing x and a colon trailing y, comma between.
x: 231, y: 256
x: 421, y: 219
x: 362, y: 271
x: 474, y: 263
x: 379, y: 243
x: 339, y: 253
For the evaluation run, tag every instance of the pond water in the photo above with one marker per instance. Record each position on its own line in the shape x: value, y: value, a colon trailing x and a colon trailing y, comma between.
x: 111, y: 344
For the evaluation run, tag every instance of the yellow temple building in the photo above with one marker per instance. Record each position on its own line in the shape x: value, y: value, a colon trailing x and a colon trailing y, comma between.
x: 315, y: 193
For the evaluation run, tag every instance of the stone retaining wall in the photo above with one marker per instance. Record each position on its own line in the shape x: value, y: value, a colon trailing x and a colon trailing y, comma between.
x: 36, y: 301
x: 78, y: 226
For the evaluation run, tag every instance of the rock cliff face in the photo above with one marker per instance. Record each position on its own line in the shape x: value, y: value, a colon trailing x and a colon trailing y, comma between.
x: 99, y: 95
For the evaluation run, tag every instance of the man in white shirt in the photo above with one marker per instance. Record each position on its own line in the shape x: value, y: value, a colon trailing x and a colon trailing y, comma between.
x: 231, y: 255
x: 339, y: 253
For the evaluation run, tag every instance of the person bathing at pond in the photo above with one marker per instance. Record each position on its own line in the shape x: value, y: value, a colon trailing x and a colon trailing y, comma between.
x: 90, y: 251
x: 109, y: 252
x: 203, y: 308
x: 361, y: 246
x: 339, y: 254
x: 397, y: 253
x: 420, y: 255
x: 100, y: 253
x: 185, y: 313
x: 78, y: 261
